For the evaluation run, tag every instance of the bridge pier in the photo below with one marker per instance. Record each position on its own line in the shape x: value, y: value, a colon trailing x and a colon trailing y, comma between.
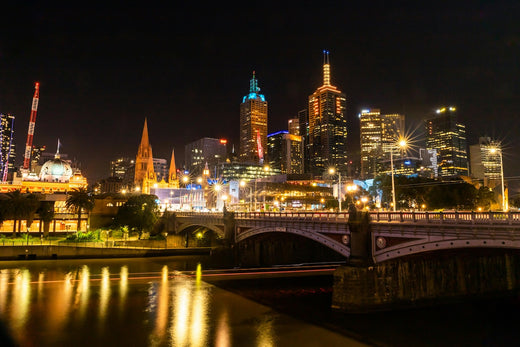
x: 421, y: 280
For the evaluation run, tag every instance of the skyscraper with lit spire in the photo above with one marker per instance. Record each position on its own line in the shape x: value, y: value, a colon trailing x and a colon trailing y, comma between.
x: 327, y: 126
x: 253, y: 125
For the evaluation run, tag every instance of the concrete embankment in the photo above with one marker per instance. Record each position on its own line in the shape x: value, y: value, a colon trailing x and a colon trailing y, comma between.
x: 70, y: 252
x: 428, y: 280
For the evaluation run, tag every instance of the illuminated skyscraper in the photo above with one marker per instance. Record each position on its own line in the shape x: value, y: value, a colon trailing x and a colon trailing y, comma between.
x: 253, y: 125
x: 327, y: 126
x: 7, y: 150
x: 446, y: 135
x: 379, y: 134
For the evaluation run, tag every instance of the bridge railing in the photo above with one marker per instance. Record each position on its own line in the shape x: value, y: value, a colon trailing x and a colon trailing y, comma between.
x: 444, y: 217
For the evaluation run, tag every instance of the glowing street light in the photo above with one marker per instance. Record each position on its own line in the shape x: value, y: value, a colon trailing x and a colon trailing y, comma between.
x: 402, y: 145
x: 494, y: 150
x: 332, y: 171
x: 243, y: 184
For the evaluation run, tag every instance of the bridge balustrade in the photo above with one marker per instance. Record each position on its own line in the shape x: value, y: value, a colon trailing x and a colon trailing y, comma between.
x: 421, y: 217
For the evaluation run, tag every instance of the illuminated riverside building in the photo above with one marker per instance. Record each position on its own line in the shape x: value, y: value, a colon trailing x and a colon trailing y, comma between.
x: 206, y: 151
x: 253, y: 125
x: 55, y: 178
x: 448, y: 137
x: 7, y: 146
x: 379, y: 134
x: 285, y: 152
x: 327, y: 126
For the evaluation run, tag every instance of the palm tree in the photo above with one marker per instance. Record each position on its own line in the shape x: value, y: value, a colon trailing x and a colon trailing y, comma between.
x: 80, y: 199
x: 46, y: 212
x: 20, y: 206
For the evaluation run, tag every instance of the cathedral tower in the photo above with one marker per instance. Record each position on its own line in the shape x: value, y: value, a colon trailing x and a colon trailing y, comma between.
x: 145, y: 175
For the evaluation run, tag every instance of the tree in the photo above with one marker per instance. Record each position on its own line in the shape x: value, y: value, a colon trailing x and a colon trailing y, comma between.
x: 20, y: 206
x: 80, y: 199
x: 46, y: 213
x: 140, y: 213
x: 485, y: 198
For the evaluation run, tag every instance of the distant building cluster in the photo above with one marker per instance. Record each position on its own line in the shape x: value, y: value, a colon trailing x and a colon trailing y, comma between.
x: 315, y: 141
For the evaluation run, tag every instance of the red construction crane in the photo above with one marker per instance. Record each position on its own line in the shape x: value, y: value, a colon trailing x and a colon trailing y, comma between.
x: 32, y: 122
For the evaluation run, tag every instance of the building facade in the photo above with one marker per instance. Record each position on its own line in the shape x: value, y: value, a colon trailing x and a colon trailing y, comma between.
x: 120, y: 166
x: 485, y: 161
x: 327, y: 126
x: 447, y: 136
x: 253, y: 125
x: 379, y: 134
x: 206, y: 151
x: 285, y: 152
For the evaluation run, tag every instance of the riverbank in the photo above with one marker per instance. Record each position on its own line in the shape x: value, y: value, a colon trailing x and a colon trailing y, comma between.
x: 85, y: 251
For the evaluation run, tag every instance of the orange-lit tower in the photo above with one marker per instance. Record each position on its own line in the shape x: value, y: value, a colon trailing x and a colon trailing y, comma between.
x: 32, y: 122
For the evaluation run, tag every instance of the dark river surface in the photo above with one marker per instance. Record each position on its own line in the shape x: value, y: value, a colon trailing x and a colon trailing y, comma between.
x: 180, y: 301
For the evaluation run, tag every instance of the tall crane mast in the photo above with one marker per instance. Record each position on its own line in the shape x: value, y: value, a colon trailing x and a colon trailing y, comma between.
x: 32, y: 123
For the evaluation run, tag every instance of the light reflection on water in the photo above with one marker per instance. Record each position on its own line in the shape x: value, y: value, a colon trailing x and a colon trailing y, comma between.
x: 90, y: 304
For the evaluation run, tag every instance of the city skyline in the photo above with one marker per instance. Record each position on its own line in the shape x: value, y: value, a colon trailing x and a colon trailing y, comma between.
x: 186, y: 71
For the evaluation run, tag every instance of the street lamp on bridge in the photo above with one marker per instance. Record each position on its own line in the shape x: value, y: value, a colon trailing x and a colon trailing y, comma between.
x: 401, y: 144
x: 497, y: 149
x: 332, y: 171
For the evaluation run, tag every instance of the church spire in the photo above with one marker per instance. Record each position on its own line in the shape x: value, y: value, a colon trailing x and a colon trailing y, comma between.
x: 172, y: 173
x: 144, y: 172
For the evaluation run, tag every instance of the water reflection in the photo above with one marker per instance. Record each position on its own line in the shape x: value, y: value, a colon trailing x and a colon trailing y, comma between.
x: 130, y: 304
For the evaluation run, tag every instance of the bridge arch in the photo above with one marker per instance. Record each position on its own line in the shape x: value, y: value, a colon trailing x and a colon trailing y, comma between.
x: 215, y: 228
x: 339, y: 247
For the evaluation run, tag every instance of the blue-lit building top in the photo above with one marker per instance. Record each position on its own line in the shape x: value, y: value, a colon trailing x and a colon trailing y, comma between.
x: 253, y: 91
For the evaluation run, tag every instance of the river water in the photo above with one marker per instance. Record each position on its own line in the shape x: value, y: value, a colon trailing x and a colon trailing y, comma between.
x: 139, y: 302
x: 171, y: 301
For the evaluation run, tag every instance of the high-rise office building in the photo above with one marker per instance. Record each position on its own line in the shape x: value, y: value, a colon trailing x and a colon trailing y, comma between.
x: 447, y: 135
x: 160, y: 166
x: 379, y: 134
x: 485, y: 161
x: 294, y: 126
x: 120, y: 166
x: 285, y: 152
x: 303, y: 118
x: 253, y: 125
x: 205, y: 151
x: 7, y: 150
x: 327, y: 126
x: 36, y: 158
x: 370, y: 142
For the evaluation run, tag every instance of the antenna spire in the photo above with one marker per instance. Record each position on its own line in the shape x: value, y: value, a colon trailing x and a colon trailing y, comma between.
x: 326, y: 68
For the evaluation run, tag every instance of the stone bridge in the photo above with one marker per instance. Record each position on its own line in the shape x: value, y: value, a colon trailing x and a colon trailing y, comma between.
x: 388, y: 235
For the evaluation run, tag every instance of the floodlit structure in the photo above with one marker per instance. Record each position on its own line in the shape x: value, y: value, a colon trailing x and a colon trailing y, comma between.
x: 327, y: 125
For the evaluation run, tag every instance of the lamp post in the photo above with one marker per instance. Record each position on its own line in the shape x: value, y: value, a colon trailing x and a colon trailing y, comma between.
x: 243, y: 184
x: 498, y: 149
x: 332, y: 171
x: 401, y: 144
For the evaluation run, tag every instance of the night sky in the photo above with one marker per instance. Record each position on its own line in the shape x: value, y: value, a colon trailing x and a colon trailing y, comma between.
x: 185, y: 68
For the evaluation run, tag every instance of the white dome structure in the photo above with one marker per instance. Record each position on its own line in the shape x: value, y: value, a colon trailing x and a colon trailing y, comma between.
x: 56, y: 170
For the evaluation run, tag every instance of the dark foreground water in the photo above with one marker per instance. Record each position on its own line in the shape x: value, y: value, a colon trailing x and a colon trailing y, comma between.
x: 170, y: 302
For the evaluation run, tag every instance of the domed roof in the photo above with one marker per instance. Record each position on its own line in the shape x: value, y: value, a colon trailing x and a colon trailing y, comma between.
x: 56, y: 170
